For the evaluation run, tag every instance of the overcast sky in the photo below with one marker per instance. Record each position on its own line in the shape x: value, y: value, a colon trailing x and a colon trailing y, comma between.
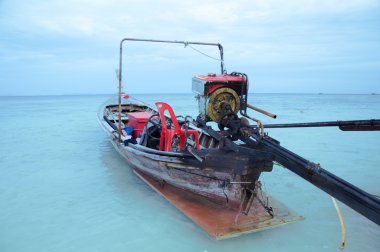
x: 293, y: 46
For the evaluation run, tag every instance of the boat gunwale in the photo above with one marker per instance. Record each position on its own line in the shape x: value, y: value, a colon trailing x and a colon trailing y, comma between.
x: 138, y: 147
x: 107, y: 127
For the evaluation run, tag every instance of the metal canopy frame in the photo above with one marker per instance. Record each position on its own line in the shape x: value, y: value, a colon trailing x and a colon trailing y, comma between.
x: 185, y: 43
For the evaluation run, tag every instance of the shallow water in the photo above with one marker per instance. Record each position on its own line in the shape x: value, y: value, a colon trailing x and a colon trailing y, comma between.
x: 64, y: 188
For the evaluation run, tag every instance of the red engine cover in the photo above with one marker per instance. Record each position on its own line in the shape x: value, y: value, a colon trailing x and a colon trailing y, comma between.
x: 220, y: 78
x: 212, y: 82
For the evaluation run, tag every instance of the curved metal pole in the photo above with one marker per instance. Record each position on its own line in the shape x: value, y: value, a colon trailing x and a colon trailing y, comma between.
x: 159, y: 41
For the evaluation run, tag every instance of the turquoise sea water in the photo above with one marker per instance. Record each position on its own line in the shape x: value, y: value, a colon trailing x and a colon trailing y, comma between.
x: 64, y: 188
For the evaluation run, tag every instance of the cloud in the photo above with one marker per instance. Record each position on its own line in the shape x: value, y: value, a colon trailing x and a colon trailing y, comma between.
x: 212, y: 13
x: 82, y: 18
x: 255, y: 33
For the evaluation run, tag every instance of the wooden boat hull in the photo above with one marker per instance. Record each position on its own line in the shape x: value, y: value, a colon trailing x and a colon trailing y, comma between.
x: 210, y: 193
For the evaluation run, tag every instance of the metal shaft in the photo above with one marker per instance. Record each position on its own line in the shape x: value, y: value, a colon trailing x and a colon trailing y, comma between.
x: 359, y: 200
x: 353, y: 125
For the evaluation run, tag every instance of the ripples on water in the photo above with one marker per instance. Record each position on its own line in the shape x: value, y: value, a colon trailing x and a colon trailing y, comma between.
x: 64, y: 188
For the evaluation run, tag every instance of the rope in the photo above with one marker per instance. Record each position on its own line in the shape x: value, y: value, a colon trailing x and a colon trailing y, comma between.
x: 261, y: 126
x: 201, y: 175
x: 261, y: 201
x: 343, y: 243
x: 203, y: 53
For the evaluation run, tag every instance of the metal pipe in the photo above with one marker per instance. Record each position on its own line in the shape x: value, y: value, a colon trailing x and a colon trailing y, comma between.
x: 184, y: 43
x: 239, y: 182
x: 262, y: 111
x: 353, y: 125
x: 158, y: 41
x: 119, y: 93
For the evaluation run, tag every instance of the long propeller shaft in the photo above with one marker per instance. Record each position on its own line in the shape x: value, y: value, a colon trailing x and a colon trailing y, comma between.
x: 355, y: 125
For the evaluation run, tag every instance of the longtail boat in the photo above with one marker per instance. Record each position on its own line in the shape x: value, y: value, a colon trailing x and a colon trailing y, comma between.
x: 209, y: 167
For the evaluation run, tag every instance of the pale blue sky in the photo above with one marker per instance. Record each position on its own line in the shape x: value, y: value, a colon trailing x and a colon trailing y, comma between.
x: 293, y: 46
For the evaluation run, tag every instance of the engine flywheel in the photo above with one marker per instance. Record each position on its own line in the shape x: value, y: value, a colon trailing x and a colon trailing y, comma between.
x: 222, y: 95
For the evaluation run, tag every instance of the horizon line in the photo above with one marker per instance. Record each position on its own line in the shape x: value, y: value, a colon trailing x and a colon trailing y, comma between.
x: 187, y: 93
